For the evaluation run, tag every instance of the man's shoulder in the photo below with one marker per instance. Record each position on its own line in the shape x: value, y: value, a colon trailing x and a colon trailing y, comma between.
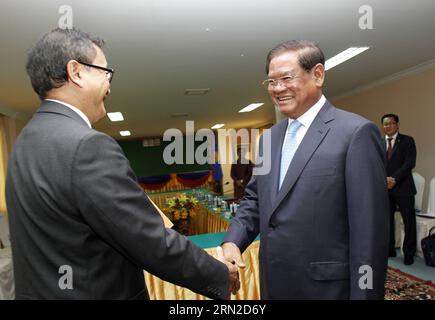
x: 96, y: 140
x: 406, y: 141
x: 351, y: 124
x: 58, y: 129
x: 404, y: 136
x: 349, y: 118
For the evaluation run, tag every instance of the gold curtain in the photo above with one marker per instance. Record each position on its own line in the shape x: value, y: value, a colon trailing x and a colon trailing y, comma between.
x: 9, y: 129
x: 249, y: 281
x: 174, y: 185
x: 3, y: 164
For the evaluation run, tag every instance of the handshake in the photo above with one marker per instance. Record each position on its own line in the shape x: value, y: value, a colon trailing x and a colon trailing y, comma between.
x: 230, y: 255
x: 391, y: 182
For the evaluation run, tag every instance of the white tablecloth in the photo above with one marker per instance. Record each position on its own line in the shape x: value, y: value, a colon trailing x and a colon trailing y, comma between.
x: 7, y: 287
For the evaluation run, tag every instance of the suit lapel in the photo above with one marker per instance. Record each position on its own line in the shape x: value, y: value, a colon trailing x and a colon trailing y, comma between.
x: 276, y: 149
x: 396, y: 144
x: 314, y: 136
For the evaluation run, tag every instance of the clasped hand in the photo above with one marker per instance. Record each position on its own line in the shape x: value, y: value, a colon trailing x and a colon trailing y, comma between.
x: 230, y: 255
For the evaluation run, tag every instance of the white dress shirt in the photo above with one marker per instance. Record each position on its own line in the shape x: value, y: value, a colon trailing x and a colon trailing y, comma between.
x: 392, y: 141
x: 78, y: 111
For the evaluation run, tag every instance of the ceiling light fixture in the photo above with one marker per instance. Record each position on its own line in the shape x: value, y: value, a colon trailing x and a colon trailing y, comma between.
x: 218, y: 126
x: 344, y: 56
x: 125, y: 133
x: 251, y: 107
x: 196, y: 92
x: 179, y: 115
x: 115, y: 116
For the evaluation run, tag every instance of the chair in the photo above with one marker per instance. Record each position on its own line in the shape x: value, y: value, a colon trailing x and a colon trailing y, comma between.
x: 7, y: 286
x: 419, y: 181
x: 4, y: 231
x: 424, y: 221
x: 431, y: 200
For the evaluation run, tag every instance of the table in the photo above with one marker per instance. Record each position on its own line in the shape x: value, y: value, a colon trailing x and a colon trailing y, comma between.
x: 206, y: 219
x: 249, y: 276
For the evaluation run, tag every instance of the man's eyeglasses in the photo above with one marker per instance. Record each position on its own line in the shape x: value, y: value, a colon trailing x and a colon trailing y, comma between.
x: 109, y: 71
x: 285, y: 81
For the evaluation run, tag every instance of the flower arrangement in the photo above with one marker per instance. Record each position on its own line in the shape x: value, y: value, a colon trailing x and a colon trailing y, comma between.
x: 181, y: 206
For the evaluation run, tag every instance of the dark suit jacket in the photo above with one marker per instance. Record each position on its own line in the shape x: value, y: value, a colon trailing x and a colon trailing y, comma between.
x: 73, y: 200
x: 401, y: 164
x: 330, y: 217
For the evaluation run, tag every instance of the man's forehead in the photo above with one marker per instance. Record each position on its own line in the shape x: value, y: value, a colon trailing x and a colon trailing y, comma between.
x: 282, y: 70
x: 286, y: 62
x: 389, y: 119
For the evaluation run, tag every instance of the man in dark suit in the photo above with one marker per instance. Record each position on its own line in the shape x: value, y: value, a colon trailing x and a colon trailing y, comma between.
x: 322, y: 210
x: 81, y: 227
x: 401, y: 158
x: 241, y: 172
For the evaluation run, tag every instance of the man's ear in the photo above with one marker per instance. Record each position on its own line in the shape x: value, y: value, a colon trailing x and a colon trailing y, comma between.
x: 75, y: 72
x: 319, y: 74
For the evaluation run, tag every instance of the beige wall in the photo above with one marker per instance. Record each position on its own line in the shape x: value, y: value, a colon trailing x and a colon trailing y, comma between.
x: 413, y: 99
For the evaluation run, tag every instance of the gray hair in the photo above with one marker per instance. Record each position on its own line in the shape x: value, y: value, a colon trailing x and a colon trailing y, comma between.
x: 310, y: 53
x: 47, y: 59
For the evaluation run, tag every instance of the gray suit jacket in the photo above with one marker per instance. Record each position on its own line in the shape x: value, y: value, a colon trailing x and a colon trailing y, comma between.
x: 73, y: 200
x: 330, y: 217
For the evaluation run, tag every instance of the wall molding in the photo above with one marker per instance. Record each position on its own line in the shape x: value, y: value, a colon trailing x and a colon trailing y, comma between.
x: 420, y: 68
x: 11, y: 113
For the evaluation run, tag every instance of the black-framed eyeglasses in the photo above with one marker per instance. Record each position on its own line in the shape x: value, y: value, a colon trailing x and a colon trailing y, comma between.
x: 109, y: 71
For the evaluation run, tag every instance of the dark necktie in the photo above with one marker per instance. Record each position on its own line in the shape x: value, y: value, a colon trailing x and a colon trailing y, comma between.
x: 390, y: 148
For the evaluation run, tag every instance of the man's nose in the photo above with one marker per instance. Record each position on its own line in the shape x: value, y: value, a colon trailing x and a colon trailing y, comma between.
x: 279, y: 87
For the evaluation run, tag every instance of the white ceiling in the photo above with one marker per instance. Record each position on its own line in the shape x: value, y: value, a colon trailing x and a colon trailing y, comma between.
x: 159, y: 48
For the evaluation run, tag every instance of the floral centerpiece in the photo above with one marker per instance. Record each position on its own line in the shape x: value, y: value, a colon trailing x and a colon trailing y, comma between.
x: 181, y: 206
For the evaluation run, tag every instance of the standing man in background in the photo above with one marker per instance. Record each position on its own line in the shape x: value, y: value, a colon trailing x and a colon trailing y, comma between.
x: 241, y: 173
x: 401, y: 159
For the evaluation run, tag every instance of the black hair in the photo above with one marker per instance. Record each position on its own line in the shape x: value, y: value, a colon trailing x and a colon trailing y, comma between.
x: 390, y: 115
x: 310, y: 53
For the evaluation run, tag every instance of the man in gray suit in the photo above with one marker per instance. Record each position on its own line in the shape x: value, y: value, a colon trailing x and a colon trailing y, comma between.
x: 81, y: 227
x: 322, y: 210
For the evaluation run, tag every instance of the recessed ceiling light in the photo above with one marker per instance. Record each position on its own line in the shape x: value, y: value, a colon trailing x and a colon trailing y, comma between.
x: 125, y: 133
x: 196, y: 92
x: 343, y: 56
x: 251, y: 107
x: 179, y: 115
x: 115, y: 116
x: 218, y: 126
